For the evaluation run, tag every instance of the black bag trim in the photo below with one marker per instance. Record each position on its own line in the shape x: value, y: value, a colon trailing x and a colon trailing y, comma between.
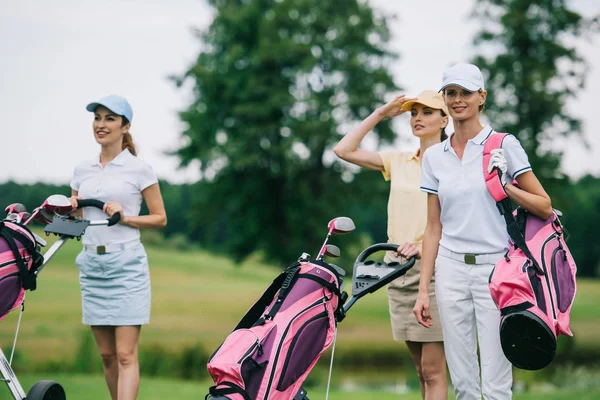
x: 514, y: 231
x: 516, y: 308
x: 322, y: 282
x: 27, y: 277
x: 233, y: 388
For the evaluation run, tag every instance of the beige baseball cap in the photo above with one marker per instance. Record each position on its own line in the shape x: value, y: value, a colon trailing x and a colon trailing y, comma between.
x: 428, y: 98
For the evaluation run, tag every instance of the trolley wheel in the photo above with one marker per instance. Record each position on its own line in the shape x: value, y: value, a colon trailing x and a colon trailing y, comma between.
x: 46, y: 390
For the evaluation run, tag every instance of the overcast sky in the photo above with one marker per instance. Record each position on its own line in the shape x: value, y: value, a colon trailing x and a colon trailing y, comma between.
x: 56, y: 56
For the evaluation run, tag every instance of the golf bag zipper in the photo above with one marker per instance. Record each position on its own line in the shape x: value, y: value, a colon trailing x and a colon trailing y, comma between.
x: 273, y: 368
x: 546, y: 273
x: 289, y: 355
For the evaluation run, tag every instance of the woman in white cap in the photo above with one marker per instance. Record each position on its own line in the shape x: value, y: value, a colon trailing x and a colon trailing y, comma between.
x: 466, y: 235
x: 114, y: 275
x: 407, y: 211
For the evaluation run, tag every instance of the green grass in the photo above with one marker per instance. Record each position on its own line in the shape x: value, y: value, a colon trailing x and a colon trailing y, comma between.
x: 92, y: 387
x: 198, y: 297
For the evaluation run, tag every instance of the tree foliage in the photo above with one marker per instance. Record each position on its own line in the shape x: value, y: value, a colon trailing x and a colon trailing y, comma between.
x: 275, y: 84
x: 533, y: 69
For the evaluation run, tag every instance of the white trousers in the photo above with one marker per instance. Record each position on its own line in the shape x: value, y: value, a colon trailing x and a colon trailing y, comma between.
x: 466, y: 308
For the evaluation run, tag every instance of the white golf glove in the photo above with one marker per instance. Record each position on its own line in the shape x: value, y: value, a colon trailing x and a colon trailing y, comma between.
x: 497, y: 160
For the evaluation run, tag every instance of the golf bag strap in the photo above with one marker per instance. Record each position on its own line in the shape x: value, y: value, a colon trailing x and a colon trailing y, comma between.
x: 290, y: 277
x: 503, y: 202
x: 492, y: 179
x: 27, y: 280
x: 232, y: 389
x: 323, y: 282
x: 255, y: 313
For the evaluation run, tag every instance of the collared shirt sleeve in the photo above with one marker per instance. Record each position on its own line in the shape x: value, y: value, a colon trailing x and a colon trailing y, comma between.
x: 146, y: 177
x: 386, y: 159
x: 76, y: 180
x: 429, y: 182
x: 517, y: 160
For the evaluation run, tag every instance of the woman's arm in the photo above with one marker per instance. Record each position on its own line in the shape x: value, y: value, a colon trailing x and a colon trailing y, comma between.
x: 347, y: 148
x: 431, y: 241
x: 157, y: 217
x: 530, y: 195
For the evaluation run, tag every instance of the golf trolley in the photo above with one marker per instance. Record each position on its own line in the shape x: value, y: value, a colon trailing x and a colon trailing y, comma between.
x: 276, y: 344
x: 54, y: 213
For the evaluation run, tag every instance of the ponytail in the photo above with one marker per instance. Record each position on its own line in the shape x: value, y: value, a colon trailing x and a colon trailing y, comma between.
x: 128, y: 139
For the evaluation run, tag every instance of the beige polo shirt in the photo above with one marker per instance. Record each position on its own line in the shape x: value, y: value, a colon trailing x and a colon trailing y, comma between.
x: 407, y: 204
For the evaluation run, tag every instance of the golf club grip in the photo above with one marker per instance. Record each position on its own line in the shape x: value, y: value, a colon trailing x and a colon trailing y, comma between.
x: 99, y: 204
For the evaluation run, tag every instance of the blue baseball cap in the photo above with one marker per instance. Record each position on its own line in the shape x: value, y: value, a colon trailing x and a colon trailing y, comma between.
x: 114, y: 103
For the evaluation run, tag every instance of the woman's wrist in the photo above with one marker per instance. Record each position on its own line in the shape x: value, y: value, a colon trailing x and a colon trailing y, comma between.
x: 380, y: 113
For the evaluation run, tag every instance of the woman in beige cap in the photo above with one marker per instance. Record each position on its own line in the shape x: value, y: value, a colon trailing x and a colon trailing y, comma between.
x: 407, y: 217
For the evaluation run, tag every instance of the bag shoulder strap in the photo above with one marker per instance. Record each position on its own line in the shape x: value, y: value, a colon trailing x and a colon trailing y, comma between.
x: 492, y: 179
x: 282, y: 281
x: 494, y: 185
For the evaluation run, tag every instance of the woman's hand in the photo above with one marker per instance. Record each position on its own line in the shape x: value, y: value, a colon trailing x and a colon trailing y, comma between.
x: 408, y: 250
x: 421, y: 309
x: 76, y: 212
x: 394, y: 107
x: 112, y: 207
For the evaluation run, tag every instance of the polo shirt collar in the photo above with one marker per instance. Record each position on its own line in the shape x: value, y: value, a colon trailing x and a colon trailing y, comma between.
x: 480, y: 139
x: 413, y: 156
x: 120, y: 159
x: 483, y: 135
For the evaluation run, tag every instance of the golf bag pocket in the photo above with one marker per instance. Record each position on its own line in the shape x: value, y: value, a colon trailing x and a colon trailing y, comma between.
x: 305, y: 346
x: 19, y: 259
x: 243, y: 357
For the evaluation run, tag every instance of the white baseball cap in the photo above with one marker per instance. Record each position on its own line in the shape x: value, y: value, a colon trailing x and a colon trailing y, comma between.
x: 467, y: 76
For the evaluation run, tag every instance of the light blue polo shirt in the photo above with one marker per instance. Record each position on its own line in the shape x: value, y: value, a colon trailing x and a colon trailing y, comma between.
x: 470, y: 219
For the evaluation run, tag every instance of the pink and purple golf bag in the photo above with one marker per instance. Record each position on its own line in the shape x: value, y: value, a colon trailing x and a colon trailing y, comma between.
x: 19, y: 259
x: 279, y: 340
x: 534, y: 284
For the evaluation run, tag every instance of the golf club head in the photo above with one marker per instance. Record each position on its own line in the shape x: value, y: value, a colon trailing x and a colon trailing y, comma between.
x: 57, y: 204
x: 15, y: 208
x: 23, y: 216
x: 341, y: 225
x: 13, y: 217
x: 332, y: 251
x: 41, y: 216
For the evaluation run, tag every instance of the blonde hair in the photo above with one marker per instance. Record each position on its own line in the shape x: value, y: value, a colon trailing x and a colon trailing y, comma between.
x: 128, y: 139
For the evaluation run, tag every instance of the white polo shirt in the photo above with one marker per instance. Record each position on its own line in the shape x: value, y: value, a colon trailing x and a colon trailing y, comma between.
x: 121, y: 180
x: 470, y: 219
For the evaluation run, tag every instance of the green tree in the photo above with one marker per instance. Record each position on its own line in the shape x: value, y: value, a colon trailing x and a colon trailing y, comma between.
x: 275, y: 84
x: 582, y: 221
x: 533, y: 69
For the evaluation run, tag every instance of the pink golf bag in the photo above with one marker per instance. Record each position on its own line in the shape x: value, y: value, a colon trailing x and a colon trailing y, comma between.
x: 279, y: 340
x: 19, y: 259
x: 534, y: 284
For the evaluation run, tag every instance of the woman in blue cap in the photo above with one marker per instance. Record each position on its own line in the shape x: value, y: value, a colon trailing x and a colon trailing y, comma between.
x: 114, y: 275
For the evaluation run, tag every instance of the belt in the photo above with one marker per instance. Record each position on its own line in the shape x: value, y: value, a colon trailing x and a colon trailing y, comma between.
x: 471, y: 259
x: 111, y: 248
